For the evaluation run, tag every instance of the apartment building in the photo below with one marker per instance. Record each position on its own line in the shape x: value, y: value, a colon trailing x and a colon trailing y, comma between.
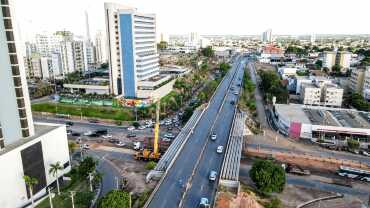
x: 78, y: 51
x: 310, y: 94
x: 356, y: 81
x: 343, y: 59
x: 366, y: 85
x: 329, y: 59
x: 99, y: 48
x: 25, y: 148
x: 332, y: 95
x: 132, y: 51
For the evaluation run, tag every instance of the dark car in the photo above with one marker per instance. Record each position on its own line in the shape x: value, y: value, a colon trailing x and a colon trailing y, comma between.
x: 93, y: 121
x: 101, y: 132
x: 232, y: 102
x: 131, y: 135
x: 76, y: 134
x: 69, y: 123
x: 113, y: 141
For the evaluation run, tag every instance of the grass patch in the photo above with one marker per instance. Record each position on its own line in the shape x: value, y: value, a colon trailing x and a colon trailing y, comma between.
x: 118, y: 114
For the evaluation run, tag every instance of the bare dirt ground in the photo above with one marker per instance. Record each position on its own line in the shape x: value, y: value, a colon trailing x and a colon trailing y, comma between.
x: 243, y: 200
x: 264, y: 67
x: 134, y: 172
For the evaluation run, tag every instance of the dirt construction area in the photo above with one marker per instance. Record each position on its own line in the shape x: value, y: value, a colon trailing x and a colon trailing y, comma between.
x: 291, y: 197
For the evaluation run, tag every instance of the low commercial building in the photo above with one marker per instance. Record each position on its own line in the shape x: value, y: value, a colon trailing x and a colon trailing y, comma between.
x: 335, y: 125
x: 175, y: 71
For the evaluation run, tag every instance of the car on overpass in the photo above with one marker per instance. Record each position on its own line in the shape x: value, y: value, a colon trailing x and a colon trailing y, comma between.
x: 213, y: 137
x: 204, y: 203
x: 212, y: 175
x: 220, y: 149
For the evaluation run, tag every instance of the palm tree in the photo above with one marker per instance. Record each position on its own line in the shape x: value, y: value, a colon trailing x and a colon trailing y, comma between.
x: 54, y: 168
x: 30, y: 182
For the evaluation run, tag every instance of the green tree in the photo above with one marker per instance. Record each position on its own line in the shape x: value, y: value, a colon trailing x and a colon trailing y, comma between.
x: 274, y: 203
x: 336, y: 68
x: 162, y: 45
x: 224, y: 68
x: 353, y: 144
x: 87, y: 166
x: 318, y: 64
x: 115, y: 199
x: 30, y: 182
x: 53, y: 170
x: 150, y: 165
x: 267, y: 176
x: 207, y: 52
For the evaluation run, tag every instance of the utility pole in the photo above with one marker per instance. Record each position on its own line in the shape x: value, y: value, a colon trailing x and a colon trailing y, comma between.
x: 50, y: 199
x: 72, y: 195
x: 90, y: 179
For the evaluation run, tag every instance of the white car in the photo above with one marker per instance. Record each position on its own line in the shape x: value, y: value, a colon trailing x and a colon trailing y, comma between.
x: 85, y: 146
x: 366, y: 153
x: 213, y: 137
x: 120, y: 144
x: 131, y: 128
x: 169, y: 135
x: 220, y: 149
x: 212, y: 175
x: 141, y: 127
x: 88, y: 133
x: 107, y: 136
x: 166, y: 139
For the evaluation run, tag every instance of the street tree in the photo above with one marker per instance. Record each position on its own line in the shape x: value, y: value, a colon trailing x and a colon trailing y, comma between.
x: 115, y: 199
x: 54, y: 169
x: 30, y: 182
x: 267, y: 176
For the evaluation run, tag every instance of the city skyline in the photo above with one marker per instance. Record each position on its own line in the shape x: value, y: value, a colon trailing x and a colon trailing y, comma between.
x: 184, y: 17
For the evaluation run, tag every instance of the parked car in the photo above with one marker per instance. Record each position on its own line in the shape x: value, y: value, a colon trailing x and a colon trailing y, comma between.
x: 88, y: 133
x: 169, y: 135
x: 69, y: 132
x: 93, y: 121
x: 220, y: 149
x: 120, y: 144
x: 213, y: 137
x: 101, y: 132
x: 212, y: 175
x: 113, y: 141
x: 166, y: 139
x: 131, y: 128
x: 141, y: 127
x: 131, y: 135
x: 107, y: 136
x: 69, y: 123
x: 76, y: 134
x: 85, y: 146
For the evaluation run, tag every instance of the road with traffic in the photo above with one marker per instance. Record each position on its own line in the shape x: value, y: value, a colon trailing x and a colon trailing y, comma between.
x: 171, y: 190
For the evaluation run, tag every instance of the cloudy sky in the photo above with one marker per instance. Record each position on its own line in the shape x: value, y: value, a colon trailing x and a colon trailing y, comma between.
x: 240, y: 17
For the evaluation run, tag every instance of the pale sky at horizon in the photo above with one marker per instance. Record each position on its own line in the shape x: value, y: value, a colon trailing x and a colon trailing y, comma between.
x: 206, y: 17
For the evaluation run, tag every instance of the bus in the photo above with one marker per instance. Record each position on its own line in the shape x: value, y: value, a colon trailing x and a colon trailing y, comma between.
x: 354, y: 173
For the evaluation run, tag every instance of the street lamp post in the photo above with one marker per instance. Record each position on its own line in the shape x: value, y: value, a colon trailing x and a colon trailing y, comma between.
x: 50, y: 198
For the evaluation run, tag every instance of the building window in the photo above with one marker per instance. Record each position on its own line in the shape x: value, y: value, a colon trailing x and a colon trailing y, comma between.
x: 6, y: 11
x: 20, y: 102
x: 4, y: 2
x: 13, y: 59
x: 11, y: 48
x: 25, y: 133
x: 1, y: 143
x: 22, y: 113
x: 17, y: 81
x: 8, y: 24
x: 9, y: 35
x: 24, y: 123
x: 15, y: 70
x: 19, y: 92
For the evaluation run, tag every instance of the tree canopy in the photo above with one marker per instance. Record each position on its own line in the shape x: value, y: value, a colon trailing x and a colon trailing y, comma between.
x: 207, y: 52
x: 115, y: 199
x: 272, y: 86
x: 267, y: 176
x: 357, y: 101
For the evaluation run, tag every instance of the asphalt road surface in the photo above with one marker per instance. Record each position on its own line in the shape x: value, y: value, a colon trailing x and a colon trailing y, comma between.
x: 171, y: 190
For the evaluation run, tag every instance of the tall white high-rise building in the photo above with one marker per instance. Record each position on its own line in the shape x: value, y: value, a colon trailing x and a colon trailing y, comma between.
x: 26, y: 149
x: 79, y: 55
x: 67, y: 57
x: 267, y: 36
x: 100, y: 49
x: 89, y: 59
x: 132, y: 51
x: 312, y: 38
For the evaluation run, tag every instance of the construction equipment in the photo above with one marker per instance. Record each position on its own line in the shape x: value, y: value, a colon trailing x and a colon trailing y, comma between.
x: 147, y: 154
